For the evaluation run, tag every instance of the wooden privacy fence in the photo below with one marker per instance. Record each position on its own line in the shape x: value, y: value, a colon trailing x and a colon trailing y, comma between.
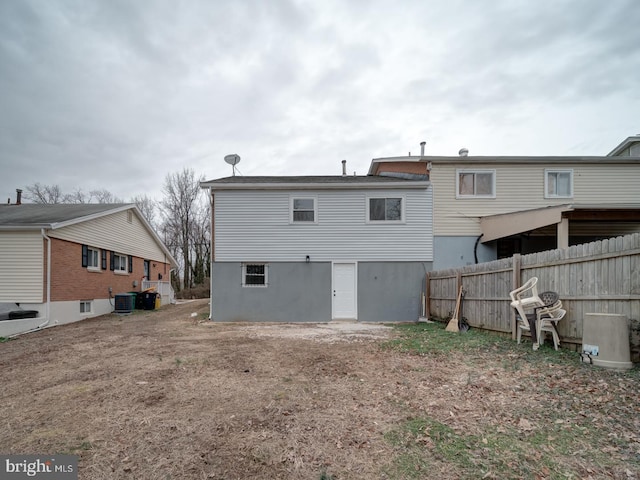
x: 597, y: 277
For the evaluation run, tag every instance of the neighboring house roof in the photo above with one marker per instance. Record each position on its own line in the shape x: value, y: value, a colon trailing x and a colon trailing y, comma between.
x: 624, y: 145
x: 54, y: 216
x: 504, y: 160
x: 28, y: 216
x: 317, y: 182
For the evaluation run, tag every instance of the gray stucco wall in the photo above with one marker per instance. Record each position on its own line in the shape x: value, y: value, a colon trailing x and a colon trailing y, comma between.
x: 297, y: 292
x: 301, y: 292
x: 390, y: 291
x: 453, y: 252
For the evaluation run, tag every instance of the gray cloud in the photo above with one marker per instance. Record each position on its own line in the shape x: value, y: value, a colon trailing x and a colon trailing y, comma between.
x: 117, y: 94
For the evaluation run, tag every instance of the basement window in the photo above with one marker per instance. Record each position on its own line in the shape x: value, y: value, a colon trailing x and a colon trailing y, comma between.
x: 254, y: 274
x: 85, y: 306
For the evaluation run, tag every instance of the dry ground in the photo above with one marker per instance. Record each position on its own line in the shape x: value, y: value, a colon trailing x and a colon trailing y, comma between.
x: 167, y: 395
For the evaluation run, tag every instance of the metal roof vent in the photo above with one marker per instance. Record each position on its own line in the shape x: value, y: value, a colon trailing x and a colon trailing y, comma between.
x: 463, y: 152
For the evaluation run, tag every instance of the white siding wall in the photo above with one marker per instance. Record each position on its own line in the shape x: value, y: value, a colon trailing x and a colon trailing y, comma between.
x: 114, y: 232
x: 254, y: 226
x: 521, y: 187
x: 21, y: 267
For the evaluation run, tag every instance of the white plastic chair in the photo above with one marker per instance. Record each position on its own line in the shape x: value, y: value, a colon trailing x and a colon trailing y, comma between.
x: 523, y: 299
x: 547, y: 319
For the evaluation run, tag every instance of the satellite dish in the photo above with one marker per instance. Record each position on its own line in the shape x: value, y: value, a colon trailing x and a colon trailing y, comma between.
x: 232, y: 160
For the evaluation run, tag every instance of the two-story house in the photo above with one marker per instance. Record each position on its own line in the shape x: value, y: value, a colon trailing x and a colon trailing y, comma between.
x: 489, y: 207
x: 319, y: 248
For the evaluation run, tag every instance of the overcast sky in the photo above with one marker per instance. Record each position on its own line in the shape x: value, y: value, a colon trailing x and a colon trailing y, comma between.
x: 116, y: 94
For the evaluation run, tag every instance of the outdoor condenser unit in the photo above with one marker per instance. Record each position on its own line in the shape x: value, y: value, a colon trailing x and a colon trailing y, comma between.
x: 124, y: 303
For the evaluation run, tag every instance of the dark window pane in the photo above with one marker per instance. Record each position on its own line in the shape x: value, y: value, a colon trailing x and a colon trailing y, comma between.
x: 255, y: 280
x: 255, y: 269
x: 376, y: 208
x: 303, y: 216
x: 394, y: 209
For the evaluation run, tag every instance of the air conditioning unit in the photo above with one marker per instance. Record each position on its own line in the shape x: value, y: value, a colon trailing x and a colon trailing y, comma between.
x: 124, y: 303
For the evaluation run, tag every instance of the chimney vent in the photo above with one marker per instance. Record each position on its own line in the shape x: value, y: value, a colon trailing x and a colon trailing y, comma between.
x: 422, y: 144
x: 18, y: 196
x: 344, y: 168
x: 463, y: 152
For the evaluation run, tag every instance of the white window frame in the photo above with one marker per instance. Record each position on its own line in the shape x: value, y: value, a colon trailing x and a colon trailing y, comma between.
x: 244, y: 275
x: 86, y: 307
x: 549, y: 171
x: 292, y: 199
x: 116, y: 264
x: 460, y: 171
x: 90, y: 254
x: 403, y: 202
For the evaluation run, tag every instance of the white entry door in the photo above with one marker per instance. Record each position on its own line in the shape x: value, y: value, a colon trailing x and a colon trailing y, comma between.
x: 343, y: 290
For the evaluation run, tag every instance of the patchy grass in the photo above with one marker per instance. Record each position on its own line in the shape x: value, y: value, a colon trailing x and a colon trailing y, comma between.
x: 432, y: 338
x: 574, y: 420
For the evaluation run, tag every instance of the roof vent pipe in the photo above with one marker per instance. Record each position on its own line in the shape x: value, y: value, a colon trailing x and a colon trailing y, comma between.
x: 422, y: 144
x: 344, y: 168
x: 463, y: 152
x: 18, y: 196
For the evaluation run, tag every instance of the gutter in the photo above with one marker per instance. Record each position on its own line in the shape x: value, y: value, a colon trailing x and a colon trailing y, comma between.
x: 400, y: 184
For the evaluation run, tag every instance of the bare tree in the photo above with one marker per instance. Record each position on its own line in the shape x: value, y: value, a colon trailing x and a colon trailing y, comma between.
x: 94, y: 196
x: 45, y: 194
x: 103, y: 196
x: 48, y: 194
x: 147, y: 206
x: 201, y: 243
x: 180, y: 204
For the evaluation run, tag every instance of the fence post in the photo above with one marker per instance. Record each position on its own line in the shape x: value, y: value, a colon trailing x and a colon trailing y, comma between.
x: 515, y: 283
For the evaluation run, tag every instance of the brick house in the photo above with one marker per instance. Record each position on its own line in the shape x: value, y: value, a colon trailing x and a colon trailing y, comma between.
x: 66, y: 262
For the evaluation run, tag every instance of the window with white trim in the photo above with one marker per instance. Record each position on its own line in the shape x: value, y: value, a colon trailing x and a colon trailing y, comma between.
x: 93, y: 258
x: 85, y: 306
x: 303, y: 210
x: 475, y: 183
x: 385, y: 209
x: 558, y: 183
x: 255, y: 274
x: 119, y: 263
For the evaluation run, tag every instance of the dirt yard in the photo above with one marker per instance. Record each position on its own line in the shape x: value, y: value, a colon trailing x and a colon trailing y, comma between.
x: 168, y: 395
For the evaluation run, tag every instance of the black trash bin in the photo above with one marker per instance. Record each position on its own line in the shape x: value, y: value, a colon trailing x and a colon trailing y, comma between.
x: 138, y: 299
x: 149, y: 300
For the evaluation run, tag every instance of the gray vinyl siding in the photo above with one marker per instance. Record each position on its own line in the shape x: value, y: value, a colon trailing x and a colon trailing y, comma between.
x: 114, y: 232
x: 521, y: 187
x: 21, y: 267
x: 254, y: 226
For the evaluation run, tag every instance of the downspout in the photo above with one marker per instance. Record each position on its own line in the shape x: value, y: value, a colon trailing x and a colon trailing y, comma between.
x: 475, y: 248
